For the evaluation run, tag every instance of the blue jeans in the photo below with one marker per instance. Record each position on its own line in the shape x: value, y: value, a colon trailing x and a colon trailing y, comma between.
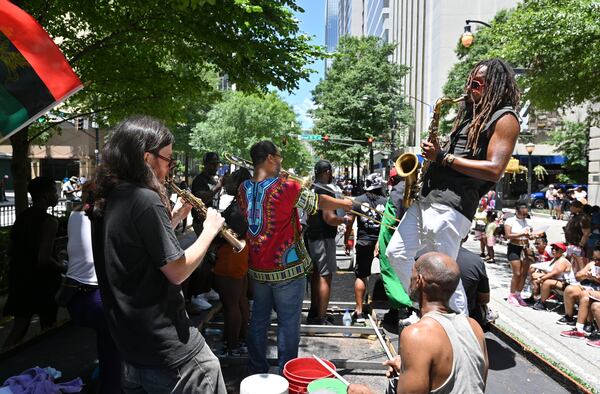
x: 286, y: 298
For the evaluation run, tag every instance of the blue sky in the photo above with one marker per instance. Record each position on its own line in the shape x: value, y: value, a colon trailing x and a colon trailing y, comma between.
x: 312, y: 22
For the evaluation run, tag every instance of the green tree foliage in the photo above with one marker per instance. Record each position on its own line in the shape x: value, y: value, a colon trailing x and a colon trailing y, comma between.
x: 240, y: 120
x: 557, y: 42
x: 157, y: 57
x: 572, y: 141
x: 359, y: 97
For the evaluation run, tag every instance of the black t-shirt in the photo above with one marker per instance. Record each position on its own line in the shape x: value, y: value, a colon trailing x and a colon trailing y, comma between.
x: 203, y: 183
x: 449, y: 187
x: 145, y: 312
x: 368, y: 230
x: 317, y: 227
x: 474, y: 278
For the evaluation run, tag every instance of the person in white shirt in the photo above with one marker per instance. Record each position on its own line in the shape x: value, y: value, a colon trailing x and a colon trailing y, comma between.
x: 517, y: 230
x: 551, y: 197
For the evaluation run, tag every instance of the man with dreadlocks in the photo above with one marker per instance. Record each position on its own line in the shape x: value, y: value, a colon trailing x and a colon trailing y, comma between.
x: 462, y: 171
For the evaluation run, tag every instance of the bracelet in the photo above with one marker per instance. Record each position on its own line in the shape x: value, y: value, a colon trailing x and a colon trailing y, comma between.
x: 448, y: 159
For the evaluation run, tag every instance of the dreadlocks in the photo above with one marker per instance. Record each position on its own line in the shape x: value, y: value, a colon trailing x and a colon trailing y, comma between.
x: 500, y: 91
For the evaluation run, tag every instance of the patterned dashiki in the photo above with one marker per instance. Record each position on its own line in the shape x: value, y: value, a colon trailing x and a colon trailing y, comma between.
x: 277, y: 251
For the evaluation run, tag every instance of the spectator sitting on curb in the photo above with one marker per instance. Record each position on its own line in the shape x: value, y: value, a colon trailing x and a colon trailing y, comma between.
x: 554, y: 276
x: 589, y: 279
x: 594, y: 338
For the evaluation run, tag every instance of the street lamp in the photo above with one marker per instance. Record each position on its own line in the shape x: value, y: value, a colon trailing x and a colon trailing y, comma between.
x: 530, y: 147
x: 466, y: 39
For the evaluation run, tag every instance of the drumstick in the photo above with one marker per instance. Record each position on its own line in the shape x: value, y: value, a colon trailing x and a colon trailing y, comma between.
x: 327, y: 367
x: 381, y: 341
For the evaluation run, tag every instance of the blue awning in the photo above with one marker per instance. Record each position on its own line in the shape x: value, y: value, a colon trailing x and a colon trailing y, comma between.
x: 543, y: 160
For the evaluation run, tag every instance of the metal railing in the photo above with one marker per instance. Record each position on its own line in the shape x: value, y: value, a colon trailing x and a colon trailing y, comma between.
x: 8, y: 212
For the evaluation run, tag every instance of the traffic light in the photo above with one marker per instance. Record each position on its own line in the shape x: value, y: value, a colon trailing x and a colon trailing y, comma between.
x: 326, y: 138
x: 370, y: 140
x: 79, y: 125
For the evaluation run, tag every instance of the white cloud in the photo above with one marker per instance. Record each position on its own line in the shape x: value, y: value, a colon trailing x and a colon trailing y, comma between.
x: 304, y: 117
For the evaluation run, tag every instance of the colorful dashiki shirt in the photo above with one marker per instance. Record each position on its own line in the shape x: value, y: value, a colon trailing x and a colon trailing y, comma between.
x: 277, y: 251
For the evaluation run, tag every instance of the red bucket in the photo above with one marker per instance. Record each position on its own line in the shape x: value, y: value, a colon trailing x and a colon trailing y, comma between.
x: 303, y: 370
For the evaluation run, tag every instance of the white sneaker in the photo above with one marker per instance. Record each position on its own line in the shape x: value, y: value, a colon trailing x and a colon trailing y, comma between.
x: 200, y: 303
x: 210, y: 296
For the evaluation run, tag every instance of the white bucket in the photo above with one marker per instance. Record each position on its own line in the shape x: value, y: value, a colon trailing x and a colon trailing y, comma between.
x: 264, y: 383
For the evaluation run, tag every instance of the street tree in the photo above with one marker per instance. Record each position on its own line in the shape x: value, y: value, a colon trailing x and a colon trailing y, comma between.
x: 359, y: 98
x: 154, y: 57
x: 571, y: 140
x: 557, y: 43
x: 234, y: 124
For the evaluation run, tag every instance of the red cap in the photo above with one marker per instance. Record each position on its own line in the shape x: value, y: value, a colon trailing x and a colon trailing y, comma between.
x: 560, y: 245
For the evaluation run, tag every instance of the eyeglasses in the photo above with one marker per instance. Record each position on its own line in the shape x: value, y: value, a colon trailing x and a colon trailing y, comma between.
x: 278, y: 155
x: 171, y: 160
x: 476, y: 85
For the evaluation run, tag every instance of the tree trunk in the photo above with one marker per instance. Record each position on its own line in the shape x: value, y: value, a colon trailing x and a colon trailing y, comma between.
x: 21, y: 168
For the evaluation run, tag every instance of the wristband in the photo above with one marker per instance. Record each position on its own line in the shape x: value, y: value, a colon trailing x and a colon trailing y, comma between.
x: 439, y: 157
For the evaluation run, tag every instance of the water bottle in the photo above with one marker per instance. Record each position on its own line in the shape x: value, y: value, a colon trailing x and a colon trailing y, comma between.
x: 347, y: 319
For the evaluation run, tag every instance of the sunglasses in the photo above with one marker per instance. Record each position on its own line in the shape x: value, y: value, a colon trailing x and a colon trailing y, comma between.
x: 171, y: 160
x: 476, y: 85
x: 557, y: 249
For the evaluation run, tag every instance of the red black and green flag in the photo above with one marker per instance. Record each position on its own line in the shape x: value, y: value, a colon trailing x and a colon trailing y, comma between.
x: 34, y: 74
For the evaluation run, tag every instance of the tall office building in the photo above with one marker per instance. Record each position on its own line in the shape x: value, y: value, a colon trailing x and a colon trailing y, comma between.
x: 351, y: 19
x: 331, y: 28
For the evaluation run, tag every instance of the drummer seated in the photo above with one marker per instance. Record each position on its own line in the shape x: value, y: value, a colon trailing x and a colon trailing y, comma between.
x: 551, y: 276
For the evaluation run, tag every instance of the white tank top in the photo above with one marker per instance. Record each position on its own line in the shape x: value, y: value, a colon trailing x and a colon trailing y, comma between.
x: 79, y: 248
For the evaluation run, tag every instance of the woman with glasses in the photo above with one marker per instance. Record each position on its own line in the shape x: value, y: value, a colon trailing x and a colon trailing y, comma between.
x: 553, y: 276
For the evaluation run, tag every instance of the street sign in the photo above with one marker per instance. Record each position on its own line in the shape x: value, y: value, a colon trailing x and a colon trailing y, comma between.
x: 311, y: 137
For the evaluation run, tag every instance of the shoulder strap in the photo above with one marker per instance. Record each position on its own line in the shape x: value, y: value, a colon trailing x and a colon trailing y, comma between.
x: 498, y: 114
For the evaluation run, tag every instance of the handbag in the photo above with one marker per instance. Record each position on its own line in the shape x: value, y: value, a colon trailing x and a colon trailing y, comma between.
x: 479, y: 227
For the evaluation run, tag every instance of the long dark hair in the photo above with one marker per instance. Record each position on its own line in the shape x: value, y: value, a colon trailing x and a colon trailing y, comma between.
x: 123, y: 158
x: 501, y: 90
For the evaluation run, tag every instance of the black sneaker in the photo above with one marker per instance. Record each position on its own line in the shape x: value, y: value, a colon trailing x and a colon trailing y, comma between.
x: 595, y: 336
x: 567, y: 320
x: 539, y: 306
x: 589, y: 328
x: 482, y: 255
x: 358, y: 318
x: 313, y: 320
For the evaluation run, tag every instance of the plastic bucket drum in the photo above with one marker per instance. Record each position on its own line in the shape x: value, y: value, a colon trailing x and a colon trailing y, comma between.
x: 264, y: 383
x: 327, y: 386
x: 303, y: 370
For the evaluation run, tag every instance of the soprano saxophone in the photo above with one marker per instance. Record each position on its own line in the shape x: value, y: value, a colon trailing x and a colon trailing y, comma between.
x: 230, y: 236
x: 407, y: 165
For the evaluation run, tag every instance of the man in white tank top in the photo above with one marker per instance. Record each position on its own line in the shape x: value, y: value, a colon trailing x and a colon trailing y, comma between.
x: 443, y: 352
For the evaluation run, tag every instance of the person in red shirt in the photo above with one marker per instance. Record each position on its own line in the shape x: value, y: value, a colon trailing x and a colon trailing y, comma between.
x: 279, y: 261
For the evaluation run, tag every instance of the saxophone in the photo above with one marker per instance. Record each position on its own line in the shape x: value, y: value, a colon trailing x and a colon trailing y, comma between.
x: 407, y: 165
x: 230, y: 236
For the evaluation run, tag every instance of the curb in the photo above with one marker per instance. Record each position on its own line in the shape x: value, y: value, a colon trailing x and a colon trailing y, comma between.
x: 542, y: 364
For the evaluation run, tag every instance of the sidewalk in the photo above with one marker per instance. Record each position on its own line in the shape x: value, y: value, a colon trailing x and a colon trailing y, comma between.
x: 538, y: 329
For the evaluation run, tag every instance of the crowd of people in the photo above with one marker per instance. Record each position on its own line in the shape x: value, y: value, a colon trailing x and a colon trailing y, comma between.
x: 563, y: 271
x: 125, y: 259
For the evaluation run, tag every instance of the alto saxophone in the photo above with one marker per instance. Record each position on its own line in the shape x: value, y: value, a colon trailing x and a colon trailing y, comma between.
x: 230, y: 236
x: 407, y: 165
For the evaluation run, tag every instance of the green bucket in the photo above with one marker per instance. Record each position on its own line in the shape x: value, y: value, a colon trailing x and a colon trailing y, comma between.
x: 327, y: 385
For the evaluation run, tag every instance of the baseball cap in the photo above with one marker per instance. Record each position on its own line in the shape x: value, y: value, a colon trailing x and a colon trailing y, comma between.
x: 321, y: 166
x: 210, y: 157
x: 373, y: 181
x: 560, y: 246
